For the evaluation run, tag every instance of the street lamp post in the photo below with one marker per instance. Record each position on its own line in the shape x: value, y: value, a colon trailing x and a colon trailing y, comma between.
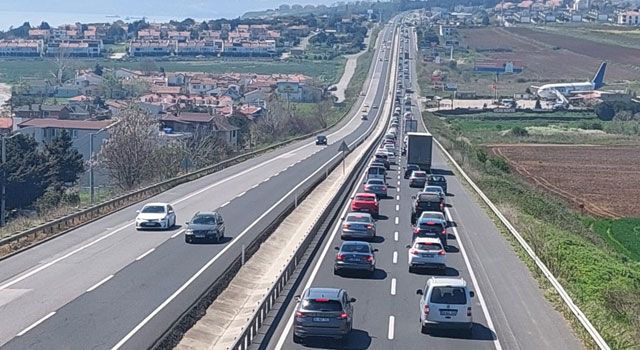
x: 3, y: 215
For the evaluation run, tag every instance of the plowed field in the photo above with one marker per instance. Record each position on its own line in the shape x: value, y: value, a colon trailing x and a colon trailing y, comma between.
x: 604, y: 180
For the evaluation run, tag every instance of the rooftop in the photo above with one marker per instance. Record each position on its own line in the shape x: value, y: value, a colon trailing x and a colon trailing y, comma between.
x: 66, y: 124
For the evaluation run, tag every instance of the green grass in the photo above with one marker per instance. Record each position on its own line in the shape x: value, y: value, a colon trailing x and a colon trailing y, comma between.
x: 622, y: 234
x: 327, y: 71
x: 602, y: 278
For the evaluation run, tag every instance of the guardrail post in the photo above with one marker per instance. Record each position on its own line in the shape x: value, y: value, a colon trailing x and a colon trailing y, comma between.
x: 295, y: 200
x: 243, y: 249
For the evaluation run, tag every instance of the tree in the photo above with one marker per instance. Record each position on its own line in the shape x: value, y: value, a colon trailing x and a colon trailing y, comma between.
x: 605, y: 111
x: 148, y: 66
x: 116, y: 32
x: 204, y: 148
x: 26, y: 169
x: 98, y: 69
x: 64, y: 163
x: 321, y: 113
x: 129, y: 153
x: 44, y: 25
x: 62, y: 64
x: 538, y: 104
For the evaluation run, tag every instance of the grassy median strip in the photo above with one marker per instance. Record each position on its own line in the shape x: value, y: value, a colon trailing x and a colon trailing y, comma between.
x: 603, y: 280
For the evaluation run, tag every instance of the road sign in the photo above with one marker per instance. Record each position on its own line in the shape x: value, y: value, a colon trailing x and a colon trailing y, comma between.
x: 344, y: 147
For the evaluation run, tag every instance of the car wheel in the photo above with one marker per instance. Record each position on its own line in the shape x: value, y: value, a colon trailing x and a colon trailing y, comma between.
x: 424, y: 329
x: 336, y: 271
x: 411, y: 269
x: 297, y: 339
x: 187, y: 240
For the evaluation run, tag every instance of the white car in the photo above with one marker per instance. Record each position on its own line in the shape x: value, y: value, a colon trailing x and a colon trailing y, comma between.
x: 156, y: 216
x: 427, y: 252
x: 446, y: 303
x: 436, y: 189
x: 434, y: 215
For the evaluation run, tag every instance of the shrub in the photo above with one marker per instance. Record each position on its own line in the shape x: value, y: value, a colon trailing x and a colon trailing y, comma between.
x: 519, y: 131
x: 500, y: 164
x: 605, y: 111
x: 481, y: 155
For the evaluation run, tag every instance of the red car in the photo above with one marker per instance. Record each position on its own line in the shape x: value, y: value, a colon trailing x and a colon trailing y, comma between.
x: 365, y: 202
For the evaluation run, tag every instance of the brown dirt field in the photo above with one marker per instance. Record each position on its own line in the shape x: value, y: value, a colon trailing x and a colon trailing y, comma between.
x: 605, y: 179
x: 576, y: 60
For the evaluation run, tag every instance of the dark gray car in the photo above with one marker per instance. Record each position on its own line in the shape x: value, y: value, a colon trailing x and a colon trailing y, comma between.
x: 205, y: 226
x: 323, y: 312
x: 355, y: 256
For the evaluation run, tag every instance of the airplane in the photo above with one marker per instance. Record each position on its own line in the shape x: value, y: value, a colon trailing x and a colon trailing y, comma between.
x: 561, y: 90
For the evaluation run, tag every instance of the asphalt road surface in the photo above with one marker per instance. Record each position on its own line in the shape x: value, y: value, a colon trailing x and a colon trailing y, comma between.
x: 106, y: 285
x: 509, y: 310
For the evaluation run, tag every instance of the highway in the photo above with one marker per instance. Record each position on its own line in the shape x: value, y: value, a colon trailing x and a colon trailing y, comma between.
x: 509, y: 310
x: 105, y: 285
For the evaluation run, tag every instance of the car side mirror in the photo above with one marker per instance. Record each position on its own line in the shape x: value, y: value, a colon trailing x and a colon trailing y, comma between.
x: 472, y: 294
x: 413, y: 197
x: 408, y: 246
x: 186, y: 223
x: 352, y: 300
x: 336, y: 248
x: 419, y: 292
x: 449, y: 224
x: 297, y: 298
x: 375, y: 250
x: 138, y: 211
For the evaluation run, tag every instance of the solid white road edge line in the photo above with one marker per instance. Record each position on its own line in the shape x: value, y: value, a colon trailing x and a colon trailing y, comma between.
x: 36, y: 324
x: 485, y: 311
x: 145, y: 254
x: 95, y: 286
x: 392, y: 322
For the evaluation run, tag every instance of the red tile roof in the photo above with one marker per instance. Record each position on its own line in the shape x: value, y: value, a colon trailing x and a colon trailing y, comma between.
x: 66, y: 124
x: 6, y: 123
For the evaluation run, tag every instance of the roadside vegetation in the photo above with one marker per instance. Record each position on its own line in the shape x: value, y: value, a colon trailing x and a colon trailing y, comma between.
x: 596, y: 260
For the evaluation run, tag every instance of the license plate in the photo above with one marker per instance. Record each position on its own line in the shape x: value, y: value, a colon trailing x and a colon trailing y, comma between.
x: 354, y: 260
x: 428, y: 255
x: 199, y: 236
x: 321, y: 319
x: 448, y: 312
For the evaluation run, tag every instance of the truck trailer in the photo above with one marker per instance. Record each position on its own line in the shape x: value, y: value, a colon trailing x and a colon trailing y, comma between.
x: 419, y: 145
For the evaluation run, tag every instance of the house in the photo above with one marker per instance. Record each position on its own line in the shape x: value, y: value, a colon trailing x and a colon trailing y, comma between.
x: 38, y: 87
x: 21, y: 48
x: 523, y: 16
x: 176, y: 79
x: 42, y: 111
x: 597, y: 16
x: 75, y: 48
x: 296, y: 90
x: 250, y: 112
x: 251, y: 48
x: 201, y: 86
x: 298, y: 31
x: 148, y: 34
x: 570, y: 16
x: 190, y: 123
x: 545, y: 17
x: 6, y: 125
x: 200, y: 47
x: 178, y: 36
x: 39, y: 34
x: 210, y: 35
x: 152, y: 48
x: 628, y: 18
x: 46, y: 129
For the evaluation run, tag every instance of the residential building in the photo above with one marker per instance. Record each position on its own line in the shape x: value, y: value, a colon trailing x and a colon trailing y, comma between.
x: 200, y: 47
x: 189, y: 123
x: 597, y: 16
x: 210, y: 35
x: 21, y: 48
x: 148, y: 34
x: 75, y: 48
x: 152, y: 48
x: 628, y: 18
x: 178, y: 36
x: 299, y: 31
x: 42, y: 111
x: 296, y: 90
x: 251, y: 48
x: 36, y: 34
x: 201, y: 86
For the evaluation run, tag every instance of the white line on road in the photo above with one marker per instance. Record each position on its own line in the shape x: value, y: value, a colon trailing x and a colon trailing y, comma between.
x: 225, y: 204
x: 398, y: 197
x: 485, y: 311
x: 254, y: 186
x: 95, y: 286
x: 395, y: 257
x: 395, y: 236
x: 241, y: 194
x: 177, y: 233
x: 36, y: 324
x: 397, y: 220
x: 392, y: 321
x: 393, y: 286
x: 145, y: 254
x: 398, y: 189
x: 397, y: 207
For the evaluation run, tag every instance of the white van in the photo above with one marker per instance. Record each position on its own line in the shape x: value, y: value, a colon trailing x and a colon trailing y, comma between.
x: 376, y: 172
x: 446, y: 303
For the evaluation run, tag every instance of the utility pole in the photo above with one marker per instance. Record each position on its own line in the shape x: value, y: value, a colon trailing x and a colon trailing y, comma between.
x: 3, y: 214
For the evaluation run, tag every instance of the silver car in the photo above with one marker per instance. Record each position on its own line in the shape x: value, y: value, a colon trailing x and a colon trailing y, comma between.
x: 436, y: 189
x: 323, y: 312
x: 358, y: 225
x: 377, y: 187
x: 418, y: 178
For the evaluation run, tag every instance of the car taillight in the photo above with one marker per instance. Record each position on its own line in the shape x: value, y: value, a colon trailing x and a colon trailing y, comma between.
x: 416, y: 230
x: 441, y: 206
x: 369, y: 226
x: 300, y: 314
x: 345, y: 226
x: 344, y: 315
x: 384, y: 188
x: 469, y: 311
x: 413, y: 251
x: 442, y: 252
x: 444, y: 232
x: 426, y: 310
x: 340, y: 257
x: 370, y: 258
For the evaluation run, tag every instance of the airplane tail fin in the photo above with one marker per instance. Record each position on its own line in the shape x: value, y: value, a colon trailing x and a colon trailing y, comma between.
x: 598, y: 79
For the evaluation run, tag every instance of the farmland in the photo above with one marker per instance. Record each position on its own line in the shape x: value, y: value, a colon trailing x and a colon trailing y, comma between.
x: 595, y: 184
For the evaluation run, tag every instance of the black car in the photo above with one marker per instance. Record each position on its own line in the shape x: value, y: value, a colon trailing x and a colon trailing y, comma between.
x: 437, y: 180
x: 321, y: 140
x: 409, y: 169
x: 205, y: 226
x: 425, y: 201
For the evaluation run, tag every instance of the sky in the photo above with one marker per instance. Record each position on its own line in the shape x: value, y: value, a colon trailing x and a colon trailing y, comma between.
x: 150, y: 8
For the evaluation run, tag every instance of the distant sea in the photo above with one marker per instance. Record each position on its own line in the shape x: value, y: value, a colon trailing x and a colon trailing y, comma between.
x: 15, y: 19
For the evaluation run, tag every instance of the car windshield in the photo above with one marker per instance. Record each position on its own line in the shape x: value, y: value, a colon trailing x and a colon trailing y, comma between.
x: 355, y: 248
x: 419, y: 174
x: 204, y: 220
x: 437, y: 179
x: 448, y: 295
x: 428, y: 197
x: 365, y: 198
x: 321, y: 304
x: 375, y: 182
x: 436, y: 189
x: 433, y: 215
x: 153, y: 209
x: 428, y: 246
x: 358, y: 218
x: 430, y: 227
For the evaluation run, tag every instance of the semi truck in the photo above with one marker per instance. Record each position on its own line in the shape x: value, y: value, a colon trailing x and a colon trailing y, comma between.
x: 419, y: 145
x: 410, y: 125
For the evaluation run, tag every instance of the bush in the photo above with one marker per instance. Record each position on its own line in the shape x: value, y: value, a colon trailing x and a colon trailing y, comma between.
x: 605, y: 111
x: 519, y: 131
x: 481, y: 155
x: 500, y: 164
